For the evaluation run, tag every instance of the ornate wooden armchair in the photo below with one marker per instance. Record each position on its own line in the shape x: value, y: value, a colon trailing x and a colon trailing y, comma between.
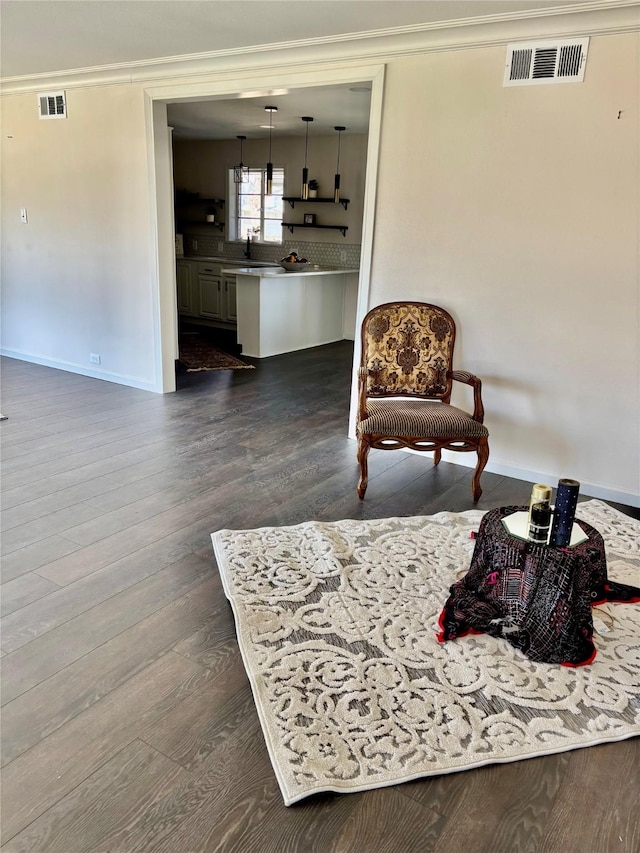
x: 405, y: 381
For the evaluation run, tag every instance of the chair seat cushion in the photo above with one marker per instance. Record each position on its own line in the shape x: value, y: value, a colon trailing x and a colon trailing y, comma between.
x: 419, y: 419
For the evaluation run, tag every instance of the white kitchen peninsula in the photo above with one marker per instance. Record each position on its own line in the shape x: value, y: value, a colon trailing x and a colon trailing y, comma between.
x: 281, y: 311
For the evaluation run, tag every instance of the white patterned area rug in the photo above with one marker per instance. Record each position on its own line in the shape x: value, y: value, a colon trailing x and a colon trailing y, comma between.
x: 337, y: 627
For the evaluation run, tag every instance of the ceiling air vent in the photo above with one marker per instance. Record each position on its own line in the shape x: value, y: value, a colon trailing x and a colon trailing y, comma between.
x: 532, y: 63
x: 52, y: 105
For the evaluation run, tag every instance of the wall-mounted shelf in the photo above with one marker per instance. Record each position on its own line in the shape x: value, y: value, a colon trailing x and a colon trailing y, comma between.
x: 185, y: 196
x: 294, y: 199
x: 191, y: 209
x: 292, y: 225
x: 199, y: 223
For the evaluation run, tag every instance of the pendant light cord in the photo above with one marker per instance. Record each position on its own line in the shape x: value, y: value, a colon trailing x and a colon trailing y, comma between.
x: 305, y: 172
x: 336, y: 179
x: 306, y: 143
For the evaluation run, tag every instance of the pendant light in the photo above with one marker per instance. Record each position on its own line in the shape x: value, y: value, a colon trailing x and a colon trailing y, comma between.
x: 336, y: 179
x: 305, y: 172
x: 241, y: 172
x: 269, y: 191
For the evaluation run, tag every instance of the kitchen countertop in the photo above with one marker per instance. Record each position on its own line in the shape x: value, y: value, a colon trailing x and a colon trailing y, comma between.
x: 269, y: 269
x: 278, y: 272
x: 280, y: 311
x: 219, y: 260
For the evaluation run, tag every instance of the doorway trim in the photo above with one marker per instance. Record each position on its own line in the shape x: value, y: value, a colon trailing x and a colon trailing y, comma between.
x: 160, y: 176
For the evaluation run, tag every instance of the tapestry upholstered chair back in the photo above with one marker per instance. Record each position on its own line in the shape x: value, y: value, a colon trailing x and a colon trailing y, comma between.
x: 407, y: 349
x: 405, y: 381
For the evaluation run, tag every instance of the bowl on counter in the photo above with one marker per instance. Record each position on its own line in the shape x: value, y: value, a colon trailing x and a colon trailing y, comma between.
x: 294, y: 266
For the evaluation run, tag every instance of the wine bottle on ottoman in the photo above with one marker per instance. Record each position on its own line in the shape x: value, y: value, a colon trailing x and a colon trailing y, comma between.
x: 564, y: 513
x: 540, y: 514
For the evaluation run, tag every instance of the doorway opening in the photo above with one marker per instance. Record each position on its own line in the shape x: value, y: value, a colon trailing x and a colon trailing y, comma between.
x: 228, y: 215
x: 160, y: 100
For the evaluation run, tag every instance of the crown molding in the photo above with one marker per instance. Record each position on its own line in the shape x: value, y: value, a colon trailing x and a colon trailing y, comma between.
x: 603, y: 17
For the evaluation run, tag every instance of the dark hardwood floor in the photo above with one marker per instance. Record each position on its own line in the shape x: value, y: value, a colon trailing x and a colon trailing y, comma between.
x: 128, y: 723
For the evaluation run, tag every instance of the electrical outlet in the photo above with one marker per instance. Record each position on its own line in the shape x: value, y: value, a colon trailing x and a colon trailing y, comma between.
x: 221, y: 246
x: 94, y: 358
x: 194, y: 243
x: 343, y: 256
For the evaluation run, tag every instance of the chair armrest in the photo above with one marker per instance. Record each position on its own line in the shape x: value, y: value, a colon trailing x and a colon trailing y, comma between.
x: 476, y: 383
x: 363, y: 373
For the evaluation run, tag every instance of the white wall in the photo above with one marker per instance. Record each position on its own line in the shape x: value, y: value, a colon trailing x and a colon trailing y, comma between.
x: 517, y: 210
x: 202, y: 166
x: 77, y: 278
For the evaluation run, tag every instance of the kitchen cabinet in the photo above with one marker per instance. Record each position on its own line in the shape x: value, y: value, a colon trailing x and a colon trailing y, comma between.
x: 230, y: 301
x: 210, y: 289
x: 185, y: 283
x: 205, y: 295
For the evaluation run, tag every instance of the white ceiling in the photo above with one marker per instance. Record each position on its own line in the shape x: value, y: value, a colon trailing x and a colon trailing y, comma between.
x: 223, y: 119
x: 39, y: 36
x: 46, y: 36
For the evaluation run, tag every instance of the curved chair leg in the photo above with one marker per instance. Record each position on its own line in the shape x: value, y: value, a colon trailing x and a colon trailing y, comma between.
x: 483, y: 456
x: 363, y: 452
x: 437, y: 455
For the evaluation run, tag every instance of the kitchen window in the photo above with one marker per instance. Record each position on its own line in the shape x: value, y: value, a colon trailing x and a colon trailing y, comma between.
x: 254, y: 213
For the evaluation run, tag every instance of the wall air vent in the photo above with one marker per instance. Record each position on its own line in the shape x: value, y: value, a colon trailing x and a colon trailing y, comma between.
x: 532, y: 63
x: 52, y: 105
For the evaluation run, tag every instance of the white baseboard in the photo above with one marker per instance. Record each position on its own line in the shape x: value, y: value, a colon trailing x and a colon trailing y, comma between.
x: 69, y: 367
x: 593, y: 490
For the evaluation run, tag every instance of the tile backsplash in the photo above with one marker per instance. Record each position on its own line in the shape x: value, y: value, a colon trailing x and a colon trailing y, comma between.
x: 326, y: 254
